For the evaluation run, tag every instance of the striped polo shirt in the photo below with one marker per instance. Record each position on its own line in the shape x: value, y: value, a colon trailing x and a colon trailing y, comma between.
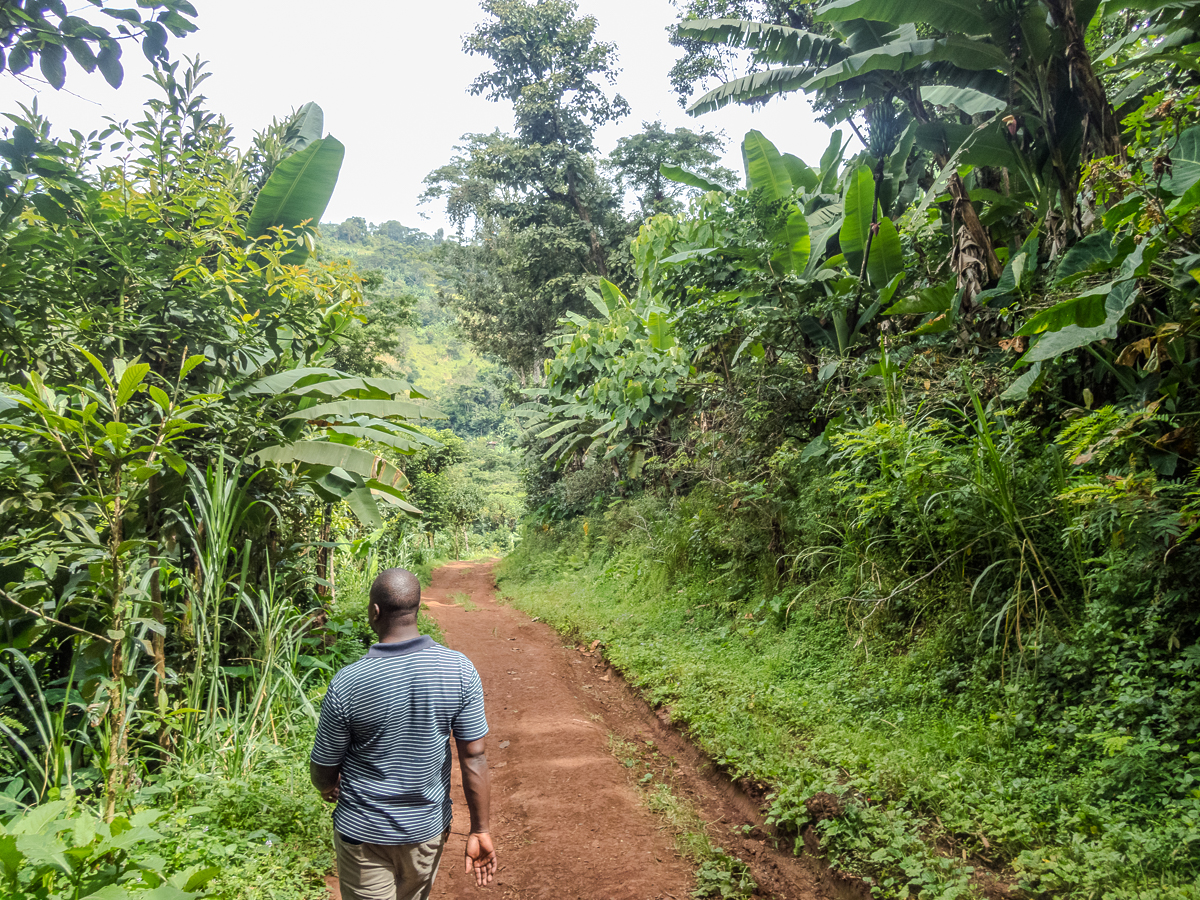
x: 386, y: 720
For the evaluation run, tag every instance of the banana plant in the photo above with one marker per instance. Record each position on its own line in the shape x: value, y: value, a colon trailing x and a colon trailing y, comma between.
x: 300, y: 187
x: 334, y: 419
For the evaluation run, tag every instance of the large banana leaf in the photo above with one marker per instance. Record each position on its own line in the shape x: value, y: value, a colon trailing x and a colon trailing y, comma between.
x: 770, y: 43
x: 372, y: 388
x: 969, y: 100
x: 797, y: 245
x: 307, y: 128
x: 858, y: 210
x: 660, y: 331
x: 799, y: 172
x: 765, y: 168
x: 944, y: 15
x: 905, y: 54
x: 887, y: 258
x: 298, y: 190
x: 284, y: 382
x: 403, y: 440
x: 326, y: 454
x: 348, y: 409
x: 750, y: 87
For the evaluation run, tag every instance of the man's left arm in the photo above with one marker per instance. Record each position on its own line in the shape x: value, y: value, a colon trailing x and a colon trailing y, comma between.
x: 326, y: 779
x: 329, y: 748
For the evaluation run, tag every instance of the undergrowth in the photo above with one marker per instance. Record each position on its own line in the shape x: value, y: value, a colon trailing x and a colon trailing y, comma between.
x: 947, y: 751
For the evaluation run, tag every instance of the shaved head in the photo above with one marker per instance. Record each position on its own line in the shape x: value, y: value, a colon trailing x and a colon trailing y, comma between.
x: 397, y: 593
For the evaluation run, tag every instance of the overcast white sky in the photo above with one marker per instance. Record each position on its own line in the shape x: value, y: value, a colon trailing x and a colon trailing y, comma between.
x: 392, y: 78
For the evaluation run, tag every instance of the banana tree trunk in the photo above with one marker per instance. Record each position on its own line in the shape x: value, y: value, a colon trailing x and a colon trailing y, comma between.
x: 1102, y: 132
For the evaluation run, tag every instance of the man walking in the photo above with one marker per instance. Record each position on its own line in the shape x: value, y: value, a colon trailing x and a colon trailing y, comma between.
x: 383, y: 754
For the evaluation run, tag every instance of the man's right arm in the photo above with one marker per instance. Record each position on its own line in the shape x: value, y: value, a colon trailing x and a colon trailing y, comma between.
x: 481, y: 853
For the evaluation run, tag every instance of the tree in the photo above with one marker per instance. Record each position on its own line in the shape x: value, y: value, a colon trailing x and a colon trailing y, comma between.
x: 544, y: 221
x: 28, y: 34
x: 637, y: 163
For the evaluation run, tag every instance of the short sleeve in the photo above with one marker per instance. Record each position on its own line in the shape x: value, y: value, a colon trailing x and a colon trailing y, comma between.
x: 469, y: 722
x: 333, y: 731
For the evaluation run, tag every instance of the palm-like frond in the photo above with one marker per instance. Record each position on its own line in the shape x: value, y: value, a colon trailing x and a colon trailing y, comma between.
x: 771, y: 43
x: 753, y: 87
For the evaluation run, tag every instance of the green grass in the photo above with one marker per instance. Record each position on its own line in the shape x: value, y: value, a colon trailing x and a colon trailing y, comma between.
x: 787, y: 697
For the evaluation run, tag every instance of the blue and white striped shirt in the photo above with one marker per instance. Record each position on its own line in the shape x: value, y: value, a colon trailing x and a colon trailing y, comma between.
x: 386, y: 720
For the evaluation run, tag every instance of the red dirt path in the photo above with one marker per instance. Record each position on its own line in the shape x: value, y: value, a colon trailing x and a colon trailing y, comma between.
x: 567, y: 822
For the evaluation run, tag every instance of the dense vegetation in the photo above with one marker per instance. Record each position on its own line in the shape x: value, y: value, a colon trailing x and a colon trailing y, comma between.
x: 880, y: 474
x: 202, y: 466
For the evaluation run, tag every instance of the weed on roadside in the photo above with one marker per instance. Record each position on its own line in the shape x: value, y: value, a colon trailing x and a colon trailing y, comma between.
x: 718, y: 874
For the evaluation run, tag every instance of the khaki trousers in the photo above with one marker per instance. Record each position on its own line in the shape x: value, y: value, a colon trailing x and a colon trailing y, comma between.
x: 385, y: 872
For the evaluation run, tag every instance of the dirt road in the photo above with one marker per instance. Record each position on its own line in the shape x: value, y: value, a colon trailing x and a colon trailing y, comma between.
x: 567, y: 821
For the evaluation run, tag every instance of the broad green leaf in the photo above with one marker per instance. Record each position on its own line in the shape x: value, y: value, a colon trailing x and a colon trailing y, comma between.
x: 398, y: 439
x: 191, y: 362
x: 111, y: 892
x: 362, y: 503
x: 780, y: 44
x: 330, y: 455
x: 44, y: 849
x: 831, y: 160
x: 1052, y: 344
x: 797, y: 245
x: 1185, y: 162
x: 197, y: 880
x: 340, y: 387
x: 283, y: 382
x: 859, y: 201
x: 10, y: 857
x: 760, y: 84
x: 97, y: 365
x: 907, y: 53
x: 392, y: 495
x: 160, y: 397
x: 944, y: 15
x: 598, y: 302
x: 131, y: 378
x: 680, y: 175
x: 887, y: 258
x: 1019, y: 389
x: 307, y: 128
x: 298, y: 190
x: 971, y: 101
x: 1087, y: 311
x: 932, y: 299
x: 660, y: 331
x: 765, y: 168
x: 335, y: 485
x: 612, y: 295
x: 558, y: 427
x: 348, y: 409
x: 800, y: 174
x: 50, y: 211
x: 938, y: 324
x: 1094, y: 254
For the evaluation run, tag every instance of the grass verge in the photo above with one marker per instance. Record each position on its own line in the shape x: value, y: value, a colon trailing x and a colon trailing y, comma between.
x: 931, y: 789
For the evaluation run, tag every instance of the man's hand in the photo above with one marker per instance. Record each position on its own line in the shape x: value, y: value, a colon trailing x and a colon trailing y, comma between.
x: 330, y: 794
x: 327, y: 780
x: 480, y: 857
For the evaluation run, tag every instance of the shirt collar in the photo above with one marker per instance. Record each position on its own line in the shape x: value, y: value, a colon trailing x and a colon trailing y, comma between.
x: 403, y: 648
